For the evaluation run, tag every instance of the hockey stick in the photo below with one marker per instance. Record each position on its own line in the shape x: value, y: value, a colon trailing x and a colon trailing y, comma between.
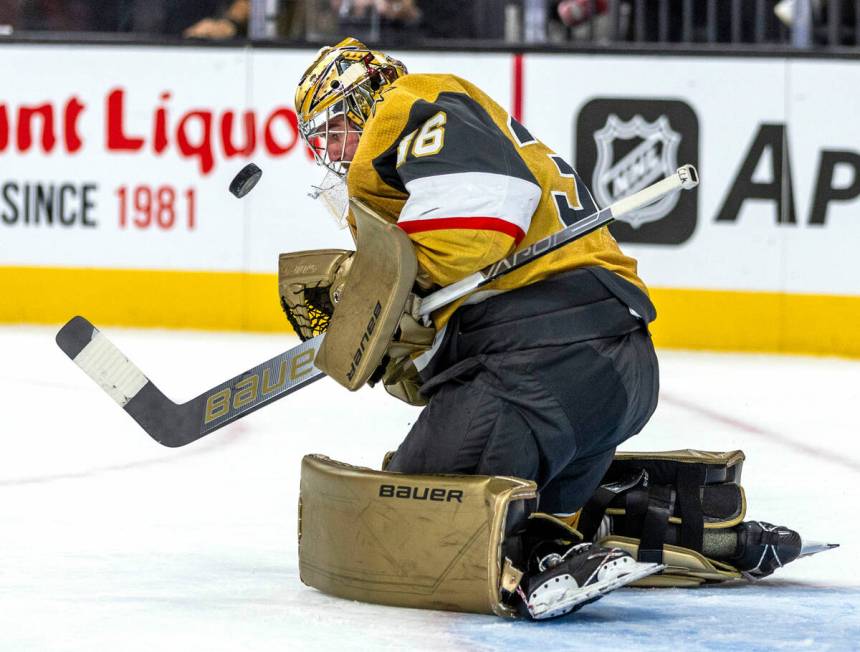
x: 174, y: 425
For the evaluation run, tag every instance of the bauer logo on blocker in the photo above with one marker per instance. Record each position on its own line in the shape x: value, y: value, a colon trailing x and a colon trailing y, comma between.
x: 623, y: 146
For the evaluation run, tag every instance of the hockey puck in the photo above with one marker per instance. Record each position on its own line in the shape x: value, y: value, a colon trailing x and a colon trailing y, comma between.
x: 245, y: 180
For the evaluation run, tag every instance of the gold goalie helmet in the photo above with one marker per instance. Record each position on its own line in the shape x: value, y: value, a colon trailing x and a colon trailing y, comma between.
x: 345, y: 80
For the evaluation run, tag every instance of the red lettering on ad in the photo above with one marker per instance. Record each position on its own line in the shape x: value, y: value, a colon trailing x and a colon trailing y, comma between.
x: 249, y: 122
x: 38, y: 122
x: 145, y: 207
x: 292, y: 122
x: 116, y: 137
x: 159, y: 141
x: 194, y: 135
x: 71, y: 113
x: 4, y: 127
x: 202, y: 149
x: 25, y: 126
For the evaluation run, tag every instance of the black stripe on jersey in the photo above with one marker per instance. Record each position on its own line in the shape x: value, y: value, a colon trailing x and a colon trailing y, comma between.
x: 472, y: 143
x: 520, y: 133
x: 567, y: 213
x: 565, y: 169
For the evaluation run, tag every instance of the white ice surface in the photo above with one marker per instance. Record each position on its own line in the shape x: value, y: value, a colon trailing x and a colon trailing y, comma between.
x: 109, y: 541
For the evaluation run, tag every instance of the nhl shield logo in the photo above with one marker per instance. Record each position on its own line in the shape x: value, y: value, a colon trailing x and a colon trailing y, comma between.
x: 622, y: 145
x: 632, y: 155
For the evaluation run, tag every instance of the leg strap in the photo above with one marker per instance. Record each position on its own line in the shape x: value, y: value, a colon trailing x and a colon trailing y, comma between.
x: 649, y: 514
x: 690, y: 479
x: 588, y: 520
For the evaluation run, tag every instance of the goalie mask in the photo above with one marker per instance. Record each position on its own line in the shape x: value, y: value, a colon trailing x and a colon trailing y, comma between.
x: 336, y: 95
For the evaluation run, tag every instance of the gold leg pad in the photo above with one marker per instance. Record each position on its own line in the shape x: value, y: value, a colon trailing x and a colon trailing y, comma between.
x: 427, y: 541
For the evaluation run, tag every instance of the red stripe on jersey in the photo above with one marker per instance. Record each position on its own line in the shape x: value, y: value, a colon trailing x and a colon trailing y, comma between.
x: 477, y: 223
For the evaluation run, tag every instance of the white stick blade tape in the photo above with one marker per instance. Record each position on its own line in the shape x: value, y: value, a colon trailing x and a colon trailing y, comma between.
x: 107, y: 365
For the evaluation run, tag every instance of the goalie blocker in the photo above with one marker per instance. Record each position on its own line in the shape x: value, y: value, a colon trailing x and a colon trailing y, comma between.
x: 477, y: 543
x: 363, y: 302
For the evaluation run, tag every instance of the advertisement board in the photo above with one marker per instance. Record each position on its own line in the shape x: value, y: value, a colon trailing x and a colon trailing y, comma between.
x: 760, y: 257
x: 115, y: 163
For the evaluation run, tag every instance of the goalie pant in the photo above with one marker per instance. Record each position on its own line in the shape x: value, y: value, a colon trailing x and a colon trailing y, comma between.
x: 542, y: 383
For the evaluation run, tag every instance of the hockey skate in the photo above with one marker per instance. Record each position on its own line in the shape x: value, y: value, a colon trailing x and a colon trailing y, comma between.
x: 564, y: 583
x: 685, y: 509
x: 763, y: 547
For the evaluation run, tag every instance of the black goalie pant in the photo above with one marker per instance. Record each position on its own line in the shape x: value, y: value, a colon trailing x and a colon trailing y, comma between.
x: 552, y: 413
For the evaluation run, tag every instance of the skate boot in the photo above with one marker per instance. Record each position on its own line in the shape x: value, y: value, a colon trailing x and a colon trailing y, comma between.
x: 763, y: 547
x: 563, y: 583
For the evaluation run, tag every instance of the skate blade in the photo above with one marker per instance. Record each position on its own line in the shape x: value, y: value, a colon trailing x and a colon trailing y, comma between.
x: 575, y: 598
x: 809, y: 548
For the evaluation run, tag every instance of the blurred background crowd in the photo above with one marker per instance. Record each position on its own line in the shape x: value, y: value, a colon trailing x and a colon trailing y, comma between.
x: 765, y: 23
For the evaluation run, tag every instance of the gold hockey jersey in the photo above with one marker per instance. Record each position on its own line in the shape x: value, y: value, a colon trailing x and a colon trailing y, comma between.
x: 470, y: 185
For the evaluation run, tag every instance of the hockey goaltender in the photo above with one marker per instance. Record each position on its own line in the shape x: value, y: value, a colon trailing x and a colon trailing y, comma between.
x: 507, y: 495
x: 484, y: 285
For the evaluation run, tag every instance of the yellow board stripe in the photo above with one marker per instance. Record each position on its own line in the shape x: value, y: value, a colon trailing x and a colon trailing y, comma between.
x: 757, y: 321
x: 167, y: 299
x: 692, y: 319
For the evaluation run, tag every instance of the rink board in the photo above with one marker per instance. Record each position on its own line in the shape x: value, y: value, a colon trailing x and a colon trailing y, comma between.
x: 114, y: 164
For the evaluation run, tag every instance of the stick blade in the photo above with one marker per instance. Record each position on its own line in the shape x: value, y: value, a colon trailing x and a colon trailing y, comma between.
x: 121, y: 379
x: 75, y: 335
x: 96, y: 355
